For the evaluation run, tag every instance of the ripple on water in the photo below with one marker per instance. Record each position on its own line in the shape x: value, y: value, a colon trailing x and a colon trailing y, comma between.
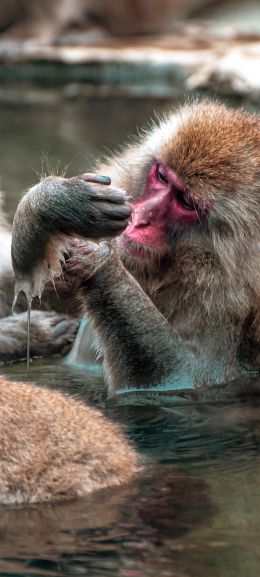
x: 195, y: 511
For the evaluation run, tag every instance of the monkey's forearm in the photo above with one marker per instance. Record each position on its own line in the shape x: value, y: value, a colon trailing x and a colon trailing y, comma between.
x: 50, y: 334
x: 140, y: 347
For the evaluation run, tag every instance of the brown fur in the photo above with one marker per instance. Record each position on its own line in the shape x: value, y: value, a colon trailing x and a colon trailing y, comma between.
x: 53, y: 447
x: 51, y: 333
x: 208, y: 283
x: 204, y: 282
x: 216, y: 272
x: 46, y: 20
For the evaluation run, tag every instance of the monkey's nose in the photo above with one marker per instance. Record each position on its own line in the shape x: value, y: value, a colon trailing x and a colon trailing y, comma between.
x: 142, y: 217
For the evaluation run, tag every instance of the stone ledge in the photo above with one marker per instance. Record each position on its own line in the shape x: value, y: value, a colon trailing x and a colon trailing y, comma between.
x: 164, y: 66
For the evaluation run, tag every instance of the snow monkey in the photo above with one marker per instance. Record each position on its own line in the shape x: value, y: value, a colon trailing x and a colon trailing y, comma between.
x: 54, y: 448
x: 174, y: 299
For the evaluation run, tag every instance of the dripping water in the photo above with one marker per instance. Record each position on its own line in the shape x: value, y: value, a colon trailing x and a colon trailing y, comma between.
x: 28, y: 335
x: 27, y: 290
x: 14, y: 302
x: 32, y: 285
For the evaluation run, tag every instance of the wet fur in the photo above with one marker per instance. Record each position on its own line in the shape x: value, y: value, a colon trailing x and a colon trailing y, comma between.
x: 51, y: 333
x: 204, y: 282
x: 53, y: 447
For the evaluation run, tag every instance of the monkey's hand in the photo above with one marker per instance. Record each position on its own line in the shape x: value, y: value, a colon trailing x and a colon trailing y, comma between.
x: 50, y: 334
x: 83, y: 205
x: 91, y: 208
x: 87, y: 258
x: 56, y: 209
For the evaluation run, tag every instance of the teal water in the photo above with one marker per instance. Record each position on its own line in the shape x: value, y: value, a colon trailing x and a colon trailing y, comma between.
x: 195, y: 511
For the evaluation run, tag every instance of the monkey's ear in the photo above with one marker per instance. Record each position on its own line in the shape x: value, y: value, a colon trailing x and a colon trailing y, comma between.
x: 249, y: 345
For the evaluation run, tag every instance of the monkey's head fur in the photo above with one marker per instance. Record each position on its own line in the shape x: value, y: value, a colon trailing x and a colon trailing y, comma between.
x: 196, y: 224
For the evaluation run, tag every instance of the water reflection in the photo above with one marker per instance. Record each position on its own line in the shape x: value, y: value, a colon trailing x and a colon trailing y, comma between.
x: 164, y: 504
x: 194, y: 512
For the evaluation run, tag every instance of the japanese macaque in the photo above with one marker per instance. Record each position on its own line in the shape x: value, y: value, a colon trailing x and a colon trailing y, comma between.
x: 45, y: 20
x: 175, y: 298
x: 22, y: 20
x: 53, y: 447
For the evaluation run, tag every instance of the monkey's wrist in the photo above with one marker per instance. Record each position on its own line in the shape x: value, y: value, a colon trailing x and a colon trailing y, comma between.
x: 109, y: 273
x: 93, y: 261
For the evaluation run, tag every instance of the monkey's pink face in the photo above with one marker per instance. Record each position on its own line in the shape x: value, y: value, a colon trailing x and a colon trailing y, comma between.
x: 165, y: 204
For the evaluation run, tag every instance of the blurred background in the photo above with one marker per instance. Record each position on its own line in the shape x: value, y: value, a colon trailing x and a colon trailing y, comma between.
x: 79, y: 76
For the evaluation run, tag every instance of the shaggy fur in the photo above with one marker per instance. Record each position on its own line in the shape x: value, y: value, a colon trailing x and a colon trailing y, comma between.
x: 207, y: 284
x: 204, y: 281
x: 53, y: 447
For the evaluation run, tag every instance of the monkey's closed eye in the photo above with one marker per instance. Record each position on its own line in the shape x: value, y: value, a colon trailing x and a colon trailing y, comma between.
x: 162, y: 175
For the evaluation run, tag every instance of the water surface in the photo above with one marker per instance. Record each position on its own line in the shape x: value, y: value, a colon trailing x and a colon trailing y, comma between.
x: 195, y: 512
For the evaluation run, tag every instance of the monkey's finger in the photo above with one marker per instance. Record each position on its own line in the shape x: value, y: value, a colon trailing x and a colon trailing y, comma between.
x: 92, y: 177
x: 119, y: 212
x: 79, y: 245
x: 116, y: 226
x: 113, y: 195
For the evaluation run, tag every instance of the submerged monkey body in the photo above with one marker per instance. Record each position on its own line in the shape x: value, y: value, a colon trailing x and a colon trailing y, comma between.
x: 175, y: 302
x: 53, y: 447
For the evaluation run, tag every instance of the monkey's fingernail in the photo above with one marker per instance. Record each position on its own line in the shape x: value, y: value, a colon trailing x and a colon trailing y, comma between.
x: 104, y: 180
x: 91, y: 177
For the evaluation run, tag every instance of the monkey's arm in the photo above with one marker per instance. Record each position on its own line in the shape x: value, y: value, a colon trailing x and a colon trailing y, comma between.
x: 249, y: 347
x: 141, y: 349
x: 50, y: 334
x: 54, y: 211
